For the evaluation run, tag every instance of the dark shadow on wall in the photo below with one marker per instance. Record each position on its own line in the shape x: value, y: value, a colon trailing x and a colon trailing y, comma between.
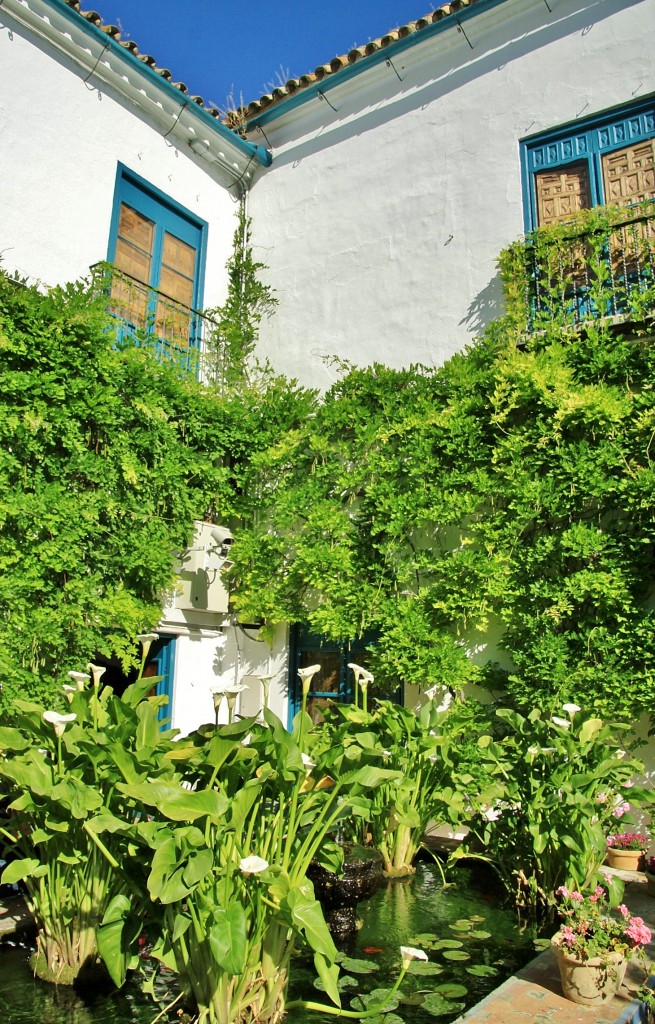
x: 487, y: 305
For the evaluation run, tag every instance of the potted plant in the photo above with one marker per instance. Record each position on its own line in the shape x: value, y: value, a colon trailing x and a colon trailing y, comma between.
x: 592, y: 946
x: 625, y: 850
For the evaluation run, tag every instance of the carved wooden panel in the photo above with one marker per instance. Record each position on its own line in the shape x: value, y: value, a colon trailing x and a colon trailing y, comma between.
x: 562, y: 193
x: 629, y: 174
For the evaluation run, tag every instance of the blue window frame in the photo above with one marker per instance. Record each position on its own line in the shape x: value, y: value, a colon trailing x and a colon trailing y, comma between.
x: 157, y: 248
x: 334, y: 683
x: 607, y: 158
x: 161, y: 662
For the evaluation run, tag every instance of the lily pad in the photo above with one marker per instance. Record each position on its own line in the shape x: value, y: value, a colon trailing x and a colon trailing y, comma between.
x: 461, y: 926
x: 345, y: 982
x: 448, y: 944
x: 479, y: 935
x: 452, y: 991
x: 438, y: 1006
x: 476, y: 918
x: 456, y: 954
x: 481, y: 971
x: 378, y: 997
x: 423, y: 968
x: 356, y: 966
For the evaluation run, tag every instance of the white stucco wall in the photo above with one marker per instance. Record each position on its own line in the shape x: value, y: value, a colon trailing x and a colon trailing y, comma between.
x: 381, y: 223
x: 60, y: 142
x: 207, y: 661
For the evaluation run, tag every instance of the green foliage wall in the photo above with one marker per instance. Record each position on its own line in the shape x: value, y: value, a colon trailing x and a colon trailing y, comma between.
x: 513, y: 485
x: 106, y: 458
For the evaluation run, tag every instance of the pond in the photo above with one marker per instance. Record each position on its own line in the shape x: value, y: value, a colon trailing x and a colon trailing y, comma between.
x: 472, y: 943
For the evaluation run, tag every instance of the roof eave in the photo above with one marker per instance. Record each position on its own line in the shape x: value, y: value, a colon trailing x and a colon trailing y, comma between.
x: 453, y: 21
x: 190, y: 124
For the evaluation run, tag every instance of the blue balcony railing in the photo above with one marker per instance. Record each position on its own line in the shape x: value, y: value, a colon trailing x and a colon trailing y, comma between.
x: 582, y: 275
x: 148, y: 317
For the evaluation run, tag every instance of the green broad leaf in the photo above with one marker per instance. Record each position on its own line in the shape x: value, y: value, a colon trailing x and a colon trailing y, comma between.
x: 328, y: 974
x: 79, y: 799
x: 39, y: 835
x: 70, y: 859
x: 355, y: 966
x: 589, y: 729
x: 177, y: 803
x: 570, y: 842
x: 370, y: 777
x: 198, y: 866
x: 307, y: 916
x: 479, y: 935
x: 106, y: 822
x: 455, y: 954
x: 438, y: 1006
x: 460, y: 926
x: 17, y: 870
x: 173, y: 888
x: 135, y: 693
x: 147, y: 733
x: 228, y: 938
x: 12, y: 739
x: 477, y: 918
x: 448, y: 944
x: 181, y: 926
x: 118, y: 930
x: 482, y: 970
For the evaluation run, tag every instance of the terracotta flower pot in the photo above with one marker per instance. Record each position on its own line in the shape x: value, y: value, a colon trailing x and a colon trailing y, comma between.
x: 590, y: 982
x: 626, y: 860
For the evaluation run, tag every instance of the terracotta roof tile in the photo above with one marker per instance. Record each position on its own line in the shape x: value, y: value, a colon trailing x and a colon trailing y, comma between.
x: 235, y: 119
x: 355, y: 55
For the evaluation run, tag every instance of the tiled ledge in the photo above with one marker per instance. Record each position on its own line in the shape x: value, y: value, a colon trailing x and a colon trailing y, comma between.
x: 534, y: 994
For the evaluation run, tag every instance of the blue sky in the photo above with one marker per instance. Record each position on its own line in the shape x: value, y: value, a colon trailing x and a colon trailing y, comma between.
x: 242, y: 49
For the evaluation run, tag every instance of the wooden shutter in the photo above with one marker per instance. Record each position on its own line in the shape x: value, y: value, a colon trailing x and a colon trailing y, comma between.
x: 562, y: 193
x: 176, y: 283
x: 134, y: 250
x: 629, y: 174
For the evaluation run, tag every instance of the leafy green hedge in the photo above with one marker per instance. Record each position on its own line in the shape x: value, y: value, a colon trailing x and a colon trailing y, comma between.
x: 106, y: 458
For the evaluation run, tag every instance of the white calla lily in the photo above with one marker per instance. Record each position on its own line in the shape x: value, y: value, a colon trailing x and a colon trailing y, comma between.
x: 571, y: 709
x: 57, y: 721
x: 409, y: 953
x: 79, y: 678
x: 306, y: 676
x: 252, y: 865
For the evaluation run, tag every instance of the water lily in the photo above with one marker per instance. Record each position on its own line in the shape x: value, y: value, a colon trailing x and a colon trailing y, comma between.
x: 252, y: 865
x: 408, y: 953
x: 79, y: 678
x: 57, y: 721
x: 306, y: 676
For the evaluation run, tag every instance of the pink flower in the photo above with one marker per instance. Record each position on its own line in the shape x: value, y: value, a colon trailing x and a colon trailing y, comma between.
x: 620, y: 810
x: 599, y: 891
x: 629, y: 784
x: 577, y: 896
x: 593, y: 898
x: 562, y: 891
x: 568, y: 935
x: 638, y: 932
x: 623, y: 910
x: 601, y: 798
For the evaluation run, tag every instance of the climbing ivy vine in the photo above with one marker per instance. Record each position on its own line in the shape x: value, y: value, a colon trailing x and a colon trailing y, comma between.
x: 107, y: 457
x: 506, y: 498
